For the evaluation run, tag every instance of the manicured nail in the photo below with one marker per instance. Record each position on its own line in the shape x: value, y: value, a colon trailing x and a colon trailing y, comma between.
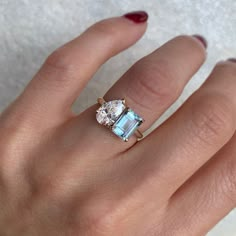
x: 201, y: 39
x: 137, y: 16
x: 232, y: 60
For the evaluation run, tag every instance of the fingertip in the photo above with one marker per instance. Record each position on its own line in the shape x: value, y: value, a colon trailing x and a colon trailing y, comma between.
x: 120, y: 32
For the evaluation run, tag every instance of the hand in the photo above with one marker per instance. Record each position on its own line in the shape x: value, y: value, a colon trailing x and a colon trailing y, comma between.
x: 64, y: 174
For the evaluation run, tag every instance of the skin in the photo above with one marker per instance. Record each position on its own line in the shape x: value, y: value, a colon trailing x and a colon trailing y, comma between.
x: 64, y: 174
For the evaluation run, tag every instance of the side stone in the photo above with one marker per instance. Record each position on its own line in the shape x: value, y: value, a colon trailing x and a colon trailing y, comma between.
x: 109, y: 112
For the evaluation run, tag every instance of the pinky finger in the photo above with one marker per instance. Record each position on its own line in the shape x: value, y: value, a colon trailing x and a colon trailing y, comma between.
x: 207, y: 197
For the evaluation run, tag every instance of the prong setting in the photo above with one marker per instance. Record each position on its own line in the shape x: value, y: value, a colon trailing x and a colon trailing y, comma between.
x: 101, y: 101
x: 119, y: 118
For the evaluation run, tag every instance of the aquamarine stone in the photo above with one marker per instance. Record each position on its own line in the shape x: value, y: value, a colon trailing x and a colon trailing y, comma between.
x: 127, y: 124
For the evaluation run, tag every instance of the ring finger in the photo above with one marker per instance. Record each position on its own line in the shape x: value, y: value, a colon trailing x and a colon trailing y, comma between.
x: 149, y: 88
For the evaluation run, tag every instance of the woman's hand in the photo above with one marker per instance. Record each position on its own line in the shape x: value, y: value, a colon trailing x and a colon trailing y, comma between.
x: 64, y: 174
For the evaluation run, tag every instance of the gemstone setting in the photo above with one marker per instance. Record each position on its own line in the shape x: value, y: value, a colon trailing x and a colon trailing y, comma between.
x: 127, y: 124
x: 109, y: 112
x: 122, y: 120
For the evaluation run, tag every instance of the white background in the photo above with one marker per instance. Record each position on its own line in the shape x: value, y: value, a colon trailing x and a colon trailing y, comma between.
x: 31, y: 29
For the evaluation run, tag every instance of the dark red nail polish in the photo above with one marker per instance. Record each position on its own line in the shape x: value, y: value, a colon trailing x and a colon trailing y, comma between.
x: 137, y: 16
x: 201, y: 39
x: 232, y: 60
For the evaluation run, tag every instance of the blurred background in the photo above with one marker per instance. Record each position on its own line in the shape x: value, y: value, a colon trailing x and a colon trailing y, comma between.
x: 31, y: 29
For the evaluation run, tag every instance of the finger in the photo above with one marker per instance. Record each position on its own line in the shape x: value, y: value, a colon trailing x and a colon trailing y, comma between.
x: 193, y: 135
x: 68, y: 69
x: 156, y: 81
x: 207, y: 197
x: 149, y: 87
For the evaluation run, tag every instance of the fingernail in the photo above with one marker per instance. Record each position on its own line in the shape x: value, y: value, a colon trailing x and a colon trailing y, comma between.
x: 232, y: 60
x: 201, y: 39
x: 137, y: 16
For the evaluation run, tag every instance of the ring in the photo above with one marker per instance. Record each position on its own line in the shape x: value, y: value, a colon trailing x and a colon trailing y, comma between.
x: 119, y: 118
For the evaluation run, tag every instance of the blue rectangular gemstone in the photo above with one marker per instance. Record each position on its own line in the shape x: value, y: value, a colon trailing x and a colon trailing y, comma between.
x: 127, y: 124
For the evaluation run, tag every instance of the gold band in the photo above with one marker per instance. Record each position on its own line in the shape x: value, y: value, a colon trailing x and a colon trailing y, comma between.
x: 139, y: 134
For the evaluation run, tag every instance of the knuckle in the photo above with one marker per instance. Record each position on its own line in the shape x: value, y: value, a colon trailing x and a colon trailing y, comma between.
x: 103, y: 221
x: 105, y: 29
x: 212, y: 118
x: 154, y: 81
x: 57, y: 60
x: 58, y: 65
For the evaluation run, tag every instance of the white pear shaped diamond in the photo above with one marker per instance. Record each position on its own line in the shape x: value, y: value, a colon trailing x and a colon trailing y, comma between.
x: 109, y: 112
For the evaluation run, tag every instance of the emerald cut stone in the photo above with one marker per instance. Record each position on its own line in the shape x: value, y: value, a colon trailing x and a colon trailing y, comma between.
x: 127, y: 124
